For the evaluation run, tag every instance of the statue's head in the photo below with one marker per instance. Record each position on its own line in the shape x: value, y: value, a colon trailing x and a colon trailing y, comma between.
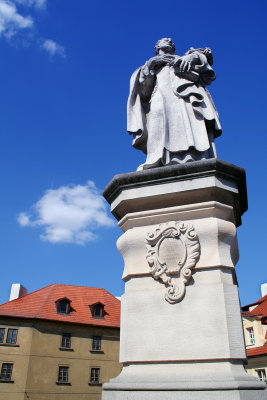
x: 166, y: 44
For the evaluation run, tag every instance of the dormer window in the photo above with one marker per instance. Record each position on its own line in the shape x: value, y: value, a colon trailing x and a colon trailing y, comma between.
x: 63, y: 306
x: 97, y: 310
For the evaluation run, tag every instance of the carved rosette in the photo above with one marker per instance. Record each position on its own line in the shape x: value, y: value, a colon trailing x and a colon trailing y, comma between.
x: 173, y: 250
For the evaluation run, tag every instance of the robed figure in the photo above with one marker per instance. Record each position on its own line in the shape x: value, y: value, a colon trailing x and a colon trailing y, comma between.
x: 170, y: 113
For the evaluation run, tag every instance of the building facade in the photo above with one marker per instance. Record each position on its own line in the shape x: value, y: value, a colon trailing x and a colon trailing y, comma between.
x: 255, y: 332
x: 59, y: 343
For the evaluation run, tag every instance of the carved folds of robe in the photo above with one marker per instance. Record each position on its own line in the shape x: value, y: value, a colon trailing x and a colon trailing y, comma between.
x: 171, y: 114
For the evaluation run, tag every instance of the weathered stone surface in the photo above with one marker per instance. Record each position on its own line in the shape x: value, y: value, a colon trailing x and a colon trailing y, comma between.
x: 170, y: 112
x: 191, y: 348
x: 195, y: 182
x: 186, y: 395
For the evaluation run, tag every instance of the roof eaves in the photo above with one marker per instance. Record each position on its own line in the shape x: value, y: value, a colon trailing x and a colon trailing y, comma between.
x: 107, y: 325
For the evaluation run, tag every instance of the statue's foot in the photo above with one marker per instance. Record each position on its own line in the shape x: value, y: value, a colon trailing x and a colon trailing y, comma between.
x: 141, y: 167
x: 145, y: 166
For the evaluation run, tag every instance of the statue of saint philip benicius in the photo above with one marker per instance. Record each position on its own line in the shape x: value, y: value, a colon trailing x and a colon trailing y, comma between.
x: 170, y: 112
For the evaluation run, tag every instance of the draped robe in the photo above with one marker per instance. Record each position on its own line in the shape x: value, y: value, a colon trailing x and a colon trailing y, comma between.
x: 171, y: 114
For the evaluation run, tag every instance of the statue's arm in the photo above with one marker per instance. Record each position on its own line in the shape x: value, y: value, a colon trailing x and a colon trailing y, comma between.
x: 148, y: 73
x: 147, y: 80
x: 200, y: 61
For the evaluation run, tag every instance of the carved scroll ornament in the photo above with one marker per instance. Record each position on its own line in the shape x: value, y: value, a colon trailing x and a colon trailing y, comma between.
x: 173, y: 250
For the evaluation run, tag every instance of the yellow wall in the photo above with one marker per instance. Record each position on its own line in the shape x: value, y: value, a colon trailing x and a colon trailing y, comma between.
x: 255, y: 362
x: 258, y: 331
x: 38, y: 357
x: 19, y: 356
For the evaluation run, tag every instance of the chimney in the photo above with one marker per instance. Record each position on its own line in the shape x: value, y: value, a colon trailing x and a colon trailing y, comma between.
x: 17, y: 290
x: 264, y: 289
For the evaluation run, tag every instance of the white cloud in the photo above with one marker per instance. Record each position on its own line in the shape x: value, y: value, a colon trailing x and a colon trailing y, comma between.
x: 11, y: 21
x: 68, y: 214
x: 53, y: 48
x: 32, y: 3
x: 23, y: 219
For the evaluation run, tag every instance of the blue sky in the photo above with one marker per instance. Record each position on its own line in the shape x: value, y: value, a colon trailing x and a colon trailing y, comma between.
x: 64, y: 75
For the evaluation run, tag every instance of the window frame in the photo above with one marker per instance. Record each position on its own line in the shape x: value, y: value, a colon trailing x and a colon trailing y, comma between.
x: 101, y: 307
x: 96, y: 343
x: 251, y: 336
x: 67, y: 338
x: 95, y: 378
x: 5, y: 379
x: 60, y: 302
x: 60, y: 377
x: 12, y: 336
x: 261, y: 374
x: 3, y: 330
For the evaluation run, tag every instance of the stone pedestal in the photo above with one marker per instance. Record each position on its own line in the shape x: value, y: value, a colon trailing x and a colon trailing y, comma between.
x: 181, y: 328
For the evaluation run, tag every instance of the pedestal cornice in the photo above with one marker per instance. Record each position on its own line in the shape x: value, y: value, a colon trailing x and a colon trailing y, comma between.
x: 179, y: 184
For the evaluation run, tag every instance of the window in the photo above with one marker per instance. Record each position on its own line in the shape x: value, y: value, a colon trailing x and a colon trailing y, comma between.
x: 66, y: 341
x: 261, y: 374
x: 12, y: 336
x: 63, y: 306
x: 95, y: 374
x: 6, y: 372
x: 2, y: 334
x: 97, y: 310
x: 63, y: 374
x: 251, y: 338
x: 96, y: 344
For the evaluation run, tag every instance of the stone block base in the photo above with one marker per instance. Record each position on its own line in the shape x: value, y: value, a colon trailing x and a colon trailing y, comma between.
x: 186, y: 395
x: 177, y: 342
x: 207, y: 380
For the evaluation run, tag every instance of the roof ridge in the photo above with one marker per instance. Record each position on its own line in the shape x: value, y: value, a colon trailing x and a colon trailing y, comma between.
x: 258, y: 302
x: 26, y: 295
x: 54, y: 284
x: 80, y: 286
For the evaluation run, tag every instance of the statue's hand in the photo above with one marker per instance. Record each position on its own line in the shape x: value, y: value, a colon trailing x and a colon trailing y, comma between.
x: 158, y: 61
x: 185, y: 62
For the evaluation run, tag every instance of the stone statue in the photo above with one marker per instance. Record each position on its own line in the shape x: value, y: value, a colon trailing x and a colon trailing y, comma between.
x: 170, y: 112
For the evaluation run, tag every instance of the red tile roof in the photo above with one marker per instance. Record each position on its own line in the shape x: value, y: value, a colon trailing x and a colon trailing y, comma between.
x: 41, y: 305
x: 257, y: 351
x: 260, y: 309
x: 260, y: 313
